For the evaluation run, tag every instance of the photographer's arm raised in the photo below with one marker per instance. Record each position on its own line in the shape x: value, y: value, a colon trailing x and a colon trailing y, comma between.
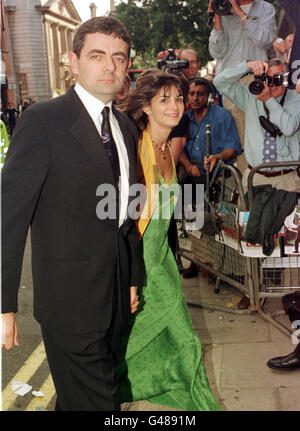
x: 262, y: 29
x: 217, y: 40
x: 226, y: 83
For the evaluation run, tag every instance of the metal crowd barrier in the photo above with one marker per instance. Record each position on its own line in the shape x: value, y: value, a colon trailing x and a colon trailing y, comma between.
x: 223, y: 255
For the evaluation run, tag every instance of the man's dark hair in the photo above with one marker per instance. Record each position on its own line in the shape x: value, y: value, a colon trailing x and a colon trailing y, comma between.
x: 148, y: 84
x: 210, y: 88
x: 100, y: 24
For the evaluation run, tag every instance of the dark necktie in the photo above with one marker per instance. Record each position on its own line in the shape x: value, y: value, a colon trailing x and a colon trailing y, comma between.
x: 109, y: 143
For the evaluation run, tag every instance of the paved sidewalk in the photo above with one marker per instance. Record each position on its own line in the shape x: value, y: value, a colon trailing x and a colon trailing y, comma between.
x: 236, y: 349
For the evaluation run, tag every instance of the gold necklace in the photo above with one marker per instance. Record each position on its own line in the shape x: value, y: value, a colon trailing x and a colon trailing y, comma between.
x: 160, y: 148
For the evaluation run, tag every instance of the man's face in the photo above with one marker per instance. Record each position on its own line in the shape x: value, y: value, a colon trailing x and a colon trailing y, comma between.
x: 197, y: 97
x: 102, y: 65
x: 194, y: 65
x: 242, y: 2
x: 276, y: 91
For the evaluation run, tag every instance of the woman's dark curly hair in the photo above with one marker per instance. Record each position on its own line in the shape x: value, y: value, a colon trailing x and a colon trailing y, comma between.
x: 148, y: 85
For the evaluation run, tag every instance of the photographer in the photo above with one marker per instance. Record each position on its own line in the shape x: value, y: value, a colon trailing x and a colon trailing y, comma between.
x: 194, y: 63
x: 280, y: 109
x: 225, y: 143
x: 247, y: 32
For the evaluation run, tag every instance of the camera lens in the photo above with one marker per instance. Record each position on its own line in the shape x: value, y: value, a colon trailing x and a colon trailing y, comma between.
x: 277, y: 80
x: 256, y: 87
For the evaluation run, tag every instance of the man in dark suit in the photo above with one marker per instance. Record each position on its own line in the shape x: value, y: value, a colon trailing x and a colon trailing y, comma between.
x: 86, y: 266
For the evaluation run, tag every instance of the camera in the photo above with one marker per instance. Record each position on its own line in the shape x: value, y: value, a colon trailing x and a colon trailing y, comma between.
x: 257, y: 86
x: 221, y: 7
x: 171, y: 64
x: 269, y: 127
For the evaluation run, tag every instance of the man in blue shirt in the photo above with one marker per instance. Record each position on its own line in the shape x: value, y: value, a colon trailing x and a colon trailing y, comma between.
x: 225, y: 142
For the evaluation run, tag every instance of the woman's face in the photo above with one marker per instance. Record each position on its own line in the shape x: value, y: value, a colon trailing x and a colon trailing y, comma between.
x: 166, y: 108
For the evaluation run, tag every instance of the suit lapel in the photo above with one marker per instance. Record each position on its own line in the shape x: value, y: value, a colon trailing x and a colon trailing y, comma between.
x: 84, y: 131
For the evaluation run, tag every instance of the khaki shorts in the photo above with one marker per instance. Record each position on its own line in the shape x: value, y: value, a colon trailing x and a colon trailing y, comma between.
x: 289, y: 182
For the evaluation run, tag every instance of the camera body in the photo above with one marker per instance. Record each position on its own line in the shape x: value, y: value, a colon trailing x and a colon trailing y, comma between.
x: 171, y: 64
x: 221, y: 7
x: 257, y: 86
x: 269, y: 126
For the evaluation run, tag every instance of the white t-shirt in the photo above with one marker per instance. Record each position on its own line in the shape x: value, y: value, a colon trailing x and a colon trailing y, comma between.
x: 246, y: 8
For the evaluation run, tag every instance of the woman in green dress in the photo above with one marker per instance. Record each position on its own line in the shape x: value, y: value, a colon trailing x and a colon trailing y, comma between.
x: 160, y: 359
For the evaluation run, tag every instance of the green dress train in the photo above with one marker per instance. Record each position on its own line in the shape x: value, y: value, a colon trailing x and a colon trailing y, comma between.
x: 160, y: 359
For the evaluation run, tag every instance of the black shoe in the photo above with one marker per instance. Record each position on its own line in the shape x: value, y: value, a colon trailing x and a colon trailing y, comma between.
x: 191, y: 272
x: 285, y: 363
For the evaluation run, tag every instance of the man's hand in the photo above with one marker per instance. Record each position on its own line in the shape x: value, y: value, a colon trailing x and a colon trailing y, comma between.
x: 217, y: 18
x: 298, y: 86
x: 258, y: 67
x: 9, y: 331
x: 235, y: 8
x: 211, y: 160
x: 193, y: 171
x: 134, y: 299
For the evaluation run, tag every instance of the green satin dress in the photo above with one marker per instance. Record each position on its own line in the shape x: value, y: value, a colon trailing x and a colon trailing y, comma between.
x: 160, y: 359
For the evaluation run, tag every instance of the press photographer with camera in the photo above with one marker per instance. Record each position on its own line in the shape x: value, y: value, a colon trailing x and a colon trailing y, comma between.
x: 243, y: 30
x: 272, y: 113
x: 194, y: 63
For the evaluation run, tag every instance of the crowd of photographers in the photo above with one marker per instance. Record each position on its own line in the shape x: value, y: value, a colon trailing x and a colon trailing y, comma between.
x: 261, y: 113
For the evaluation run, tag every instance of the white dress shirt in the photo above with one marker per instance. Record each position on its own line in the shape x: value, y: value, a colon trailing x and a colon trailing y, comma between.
x: 94, y: 107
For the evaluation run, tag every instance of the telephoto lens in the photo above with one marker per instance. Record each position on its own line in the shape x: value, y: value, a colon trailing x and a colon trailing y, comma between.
x: 256, y: 87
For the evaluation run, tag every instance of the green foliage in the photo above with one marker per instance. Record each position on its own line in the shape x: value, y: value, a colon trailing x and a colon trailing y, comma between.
x: 155, y: 25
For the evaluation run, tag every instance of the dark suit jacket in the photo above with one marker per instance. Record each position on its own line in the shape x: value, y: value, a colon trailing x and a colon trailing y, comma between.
x: 292, y: 8
x: 54, y: 165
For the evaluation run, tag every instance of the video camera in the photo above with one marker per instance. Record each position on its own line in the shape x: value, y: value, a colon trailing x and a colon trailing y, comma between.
x: 257, y: 86
x: 171, y: 64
